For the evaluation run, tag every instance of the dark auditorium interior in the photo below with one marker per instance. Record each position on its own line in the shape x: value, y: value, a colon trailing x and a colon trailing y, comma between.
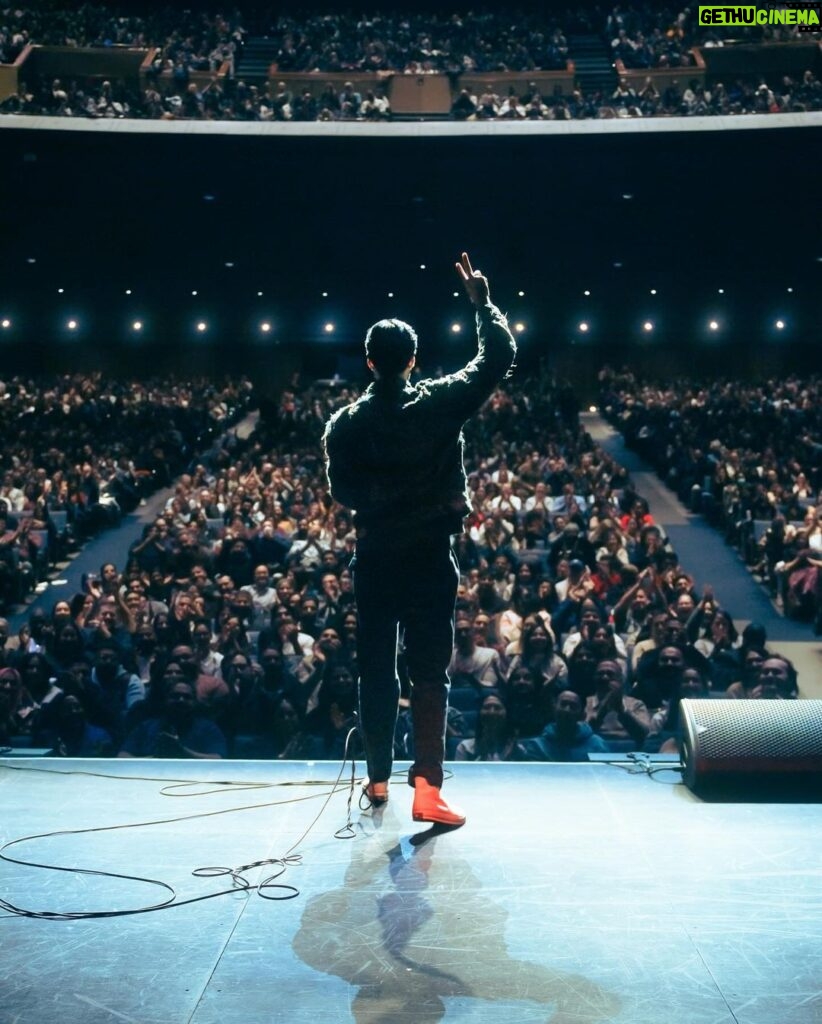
x: 202, y: 211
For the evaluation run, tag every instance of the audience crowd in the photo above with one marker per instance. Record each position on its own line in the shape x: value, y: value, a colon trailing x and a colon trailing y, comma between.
x: 238, y: 101
x: 749, y: 455
x: 188, y: 40
x: 642, y: 36
x: 80, y: 450
x: 646, y: 36
x: 388, y: 43
x: 680, y: 98
x: 229, y: 627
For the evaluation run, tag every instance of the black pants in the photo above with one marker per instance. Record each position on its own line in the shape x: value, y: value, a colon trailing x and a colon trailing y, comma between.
x: 413, y: 588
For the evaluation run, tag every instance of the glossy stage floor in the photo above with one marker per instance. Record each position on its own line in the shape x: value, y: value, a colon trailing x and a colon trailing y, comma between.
x: 575, y: 894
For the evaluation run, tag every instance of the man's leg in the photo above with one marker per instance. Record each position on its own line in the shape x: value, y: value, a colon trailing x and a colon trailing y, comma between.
x: 379, y: 685
x: 428, y: 617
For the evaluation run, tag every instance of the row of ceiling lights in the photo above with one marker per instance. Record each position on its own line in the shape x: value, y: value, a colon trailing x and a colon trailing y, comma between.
x: 329, y: 327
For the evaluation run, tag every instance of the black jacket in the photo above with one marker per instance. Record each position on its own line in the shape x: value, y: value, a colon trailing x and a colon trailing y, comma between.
x: 395, y: 455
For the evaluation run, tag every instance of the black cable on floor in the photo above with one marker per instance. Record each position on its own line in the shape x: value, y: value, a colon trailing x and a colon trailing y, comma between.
x: 269, y: 888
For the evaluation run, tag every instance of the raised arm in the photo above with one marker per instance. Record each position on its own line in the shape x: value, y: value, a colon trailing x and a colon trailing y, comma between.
x: 471, y: 386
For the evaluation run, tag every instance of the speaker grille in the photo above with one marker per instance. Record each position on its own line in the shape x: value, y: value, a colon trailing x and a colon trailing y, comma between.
x: 730, y: 738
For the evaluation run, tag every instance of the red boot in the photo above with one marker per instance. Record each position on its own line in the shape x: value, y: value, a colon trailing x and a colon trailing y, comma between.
x: 430, y: 806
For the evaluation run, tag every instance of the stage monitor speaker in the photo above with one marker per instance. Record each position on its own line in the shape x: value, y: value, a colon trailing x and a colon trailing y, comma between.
x: 752, y: 744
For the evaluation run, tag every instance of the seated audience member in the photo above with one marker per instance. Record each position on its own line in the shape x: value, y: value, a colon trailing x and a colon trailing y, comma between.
x: 209, y: 661
x: 567, y: 737
x: 178, y: 730
x: 327, y: 653
x: 660, y: 682
x: 720, y: 649
x: 471, y: 663
x: 526, y: 702
x: 747, y: 674
x: 581, y: 668
x: 633, y: 610
x: 285, y: 634
x: 578, y: 606
x: 607, y: 644
x: 650, y: 637
x: 263, y: 597
x: 289, y: 740
x: 535, y: 651
x: 116, y: 691
x: 802, y: 582
x: 41, y: 694
x: 331, y: 728
x: 15, y: 708
x: 495, y: 738
x: 72, y: 735
x: 777, y: 680
x: 67, y: 647
x: 622, y: 721
x: 607, y: 579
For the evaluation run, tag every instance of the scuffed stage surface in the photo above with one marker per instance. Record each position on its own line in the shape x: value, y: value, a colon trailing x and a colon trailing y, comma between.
x: 576, y: 894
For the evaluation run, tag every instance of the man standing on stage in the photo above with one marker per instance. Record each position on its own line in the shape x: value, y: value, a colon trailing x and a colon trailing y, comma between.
x: 395, y: 457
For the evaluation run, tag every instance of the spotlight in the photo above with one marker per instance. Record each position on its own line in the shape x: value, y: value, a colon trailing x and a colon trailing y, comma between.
x: 229, y: 265
x: 390, y: 295
x: 721, y: 291
x: 137, y: 325
x: 587, y: 291
x: 259, y: 295
x: 194, y: 292
x: 714, y: 326
x: 325, y: 295
x: 456, y: 295
x: 780, y: 325
x: 592, y: 408
x: 583, y: 327
x: 60, y: 291
x: 653, y: 291
x: 31, y: 259
x: 329, y: 328
x: 265, y: 327
x: 202, y: 326
x: 519, y: 327
x: 647, y: 326
x: 5, y: 323
x: 72, y: 325
x: 790, y: 289
x: 128, y: 291
x: 521, y: 294
x: 422, y: 266
x: 456, y: 328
